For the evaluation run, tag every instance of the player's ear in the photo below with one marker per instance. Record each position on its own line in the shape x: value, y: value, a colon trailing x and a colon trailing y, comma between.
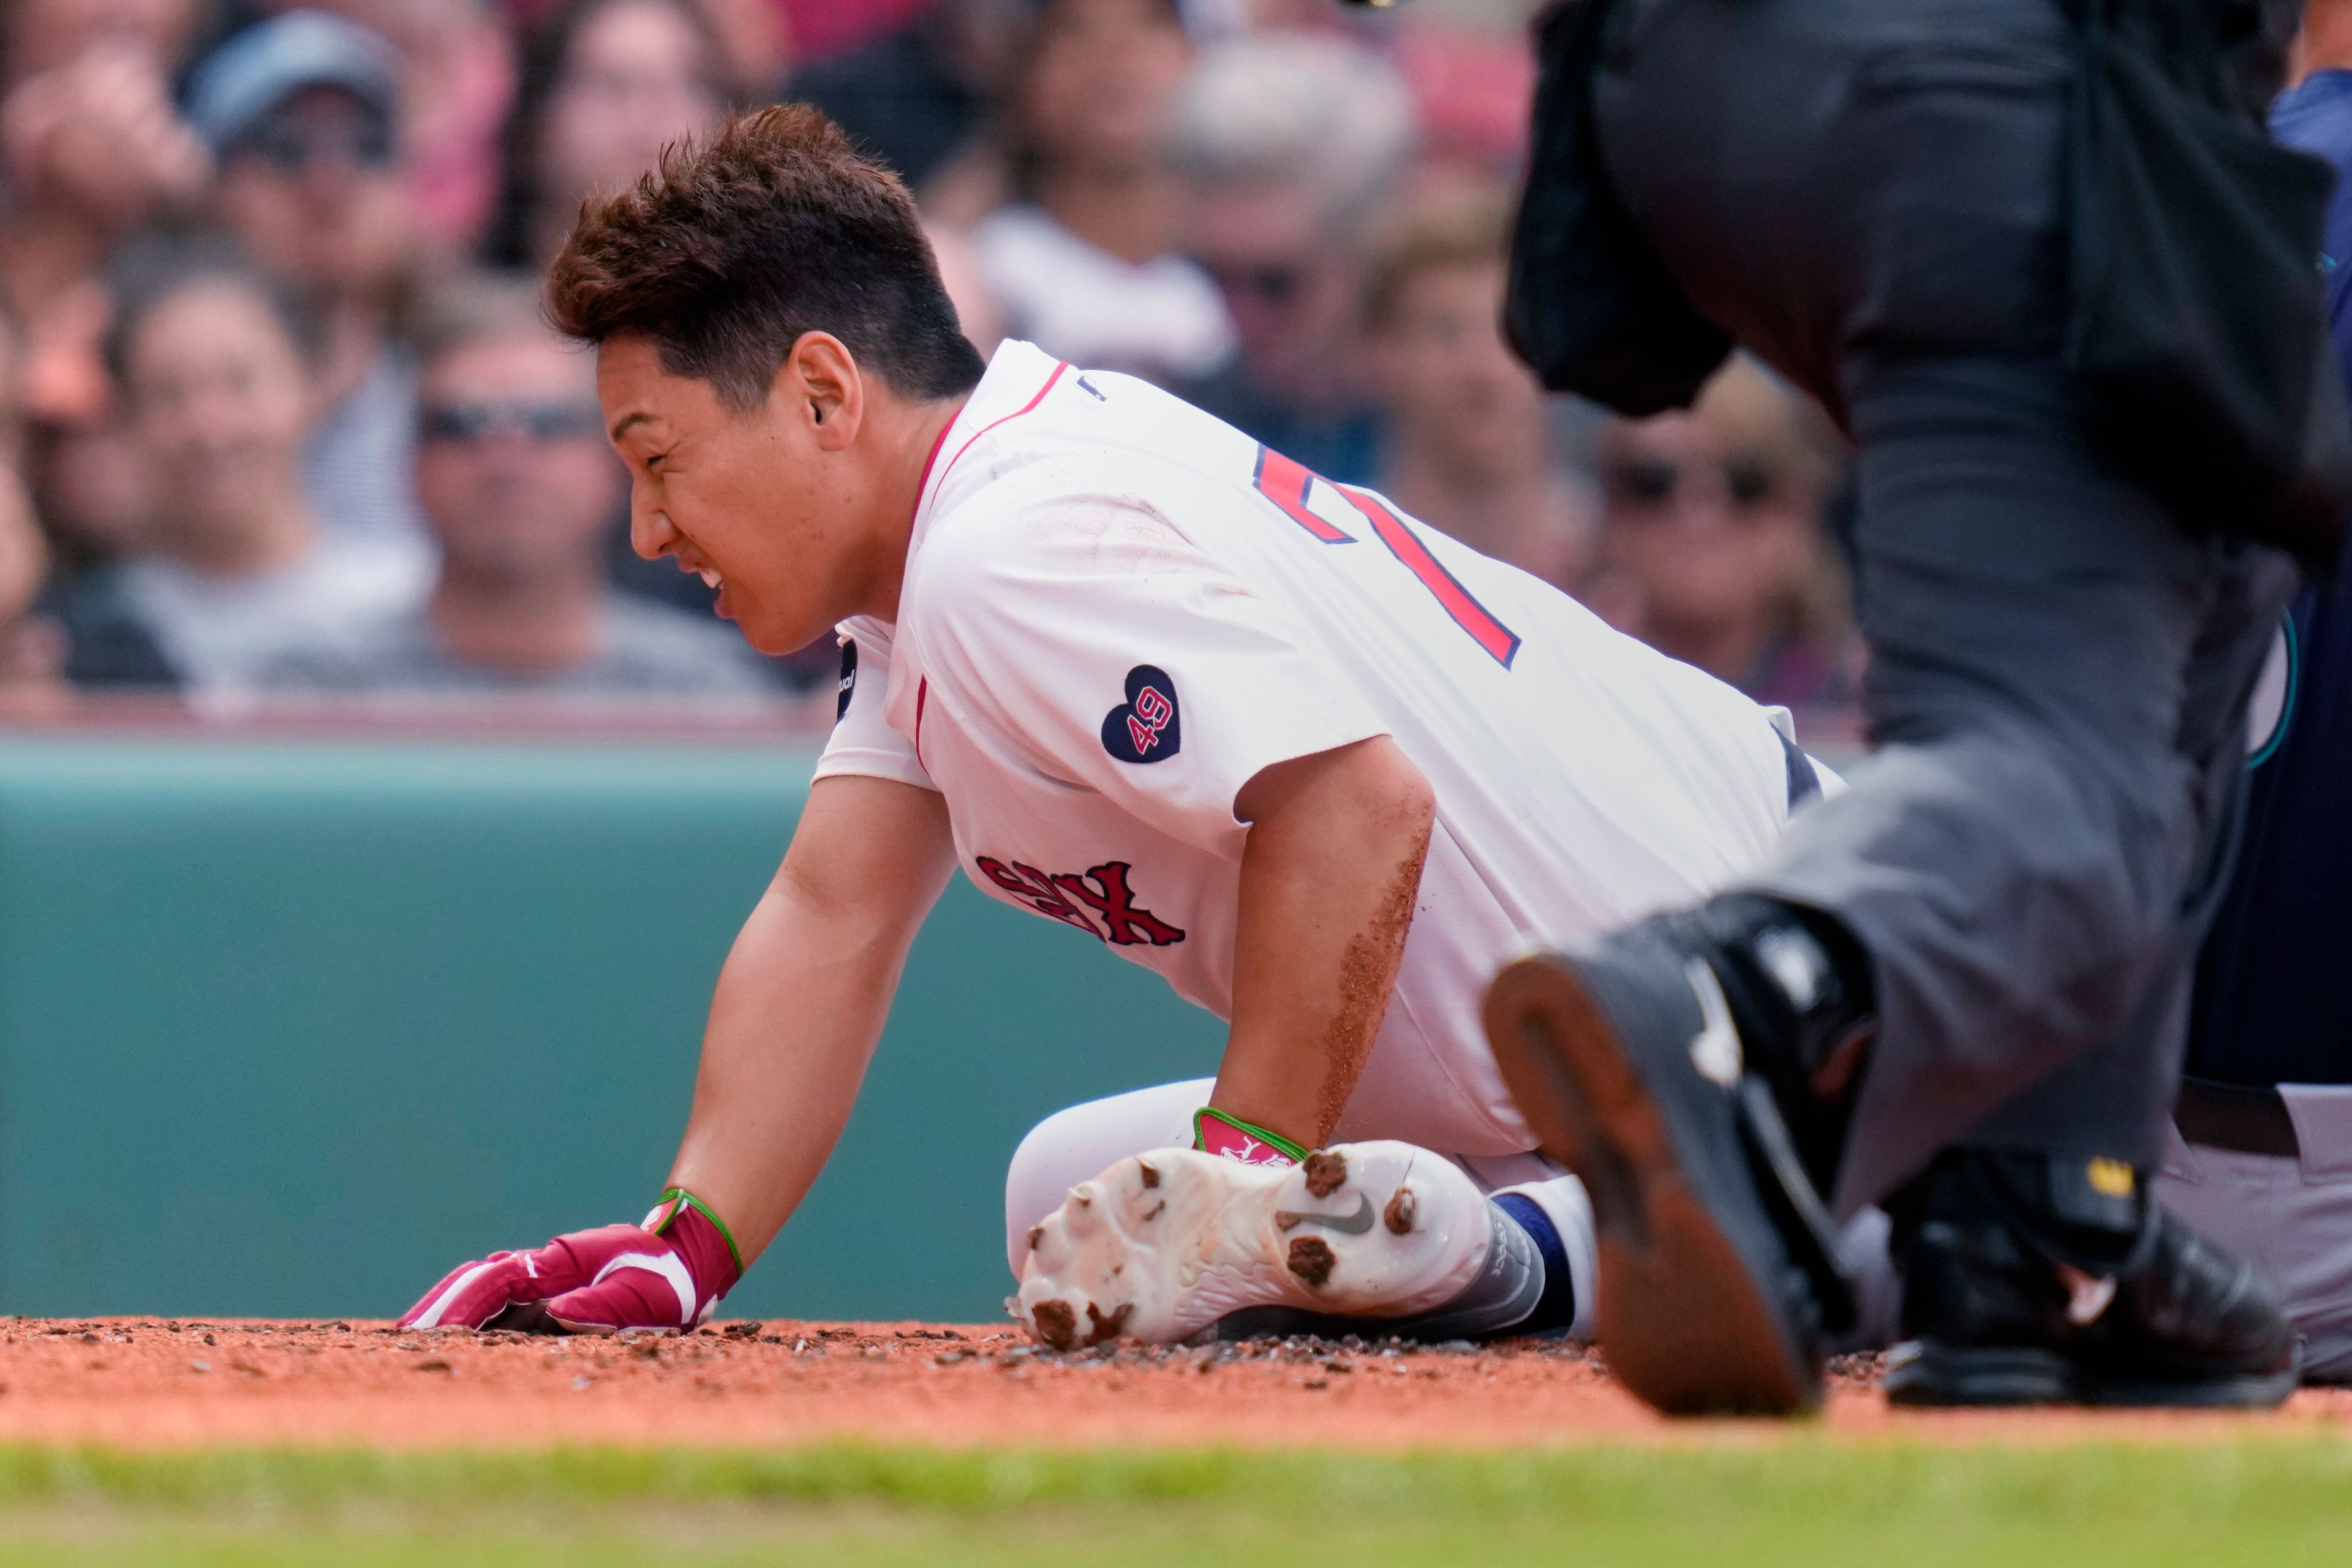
x: 824, y: 380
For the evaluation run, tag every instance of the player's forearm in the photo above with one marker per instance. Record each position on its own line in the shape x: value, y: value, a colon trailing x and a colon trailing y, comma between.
x: 789, y: 1035
x: 1328, y: 879
x: 800, y: 1004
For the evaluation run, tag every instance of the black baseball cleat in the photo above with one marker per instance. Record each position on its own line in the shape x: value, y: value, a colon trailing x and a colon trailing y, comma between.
x: 1717, y: 1278
x: 2047, y: 1279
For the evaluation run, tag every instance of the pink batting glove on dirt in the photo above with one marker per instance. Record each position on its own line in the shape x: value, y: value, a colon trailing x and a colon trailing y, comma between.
x: 1214, y: 1133
x: 666, y: 1274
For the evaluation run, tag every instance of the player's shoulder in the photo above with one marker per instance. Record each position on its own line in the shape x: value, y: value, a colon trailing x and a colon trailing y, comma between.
x: 1060, y: 477
x: 1067, y: 516
x: 1031, y: 409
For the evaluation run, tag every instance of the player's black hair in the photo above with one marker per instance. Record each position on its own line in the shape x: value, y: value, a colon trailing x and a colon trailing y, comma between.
x: 735, y: 246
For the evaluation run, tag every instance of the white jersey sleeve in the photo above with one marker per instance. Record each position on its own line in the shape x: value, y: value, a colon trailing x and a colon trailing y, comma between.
x: 863, y: 743
x: 1105, y: 649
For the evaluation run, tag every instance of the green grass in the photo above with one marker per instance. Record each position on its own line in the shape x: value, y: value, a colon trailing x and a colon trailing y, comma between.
x: 1808, y: 1503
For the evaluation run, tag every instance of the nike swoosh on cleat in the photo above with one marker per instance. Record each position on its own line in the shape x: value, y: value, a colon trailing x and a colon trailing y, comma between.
x: 1345, y: 1224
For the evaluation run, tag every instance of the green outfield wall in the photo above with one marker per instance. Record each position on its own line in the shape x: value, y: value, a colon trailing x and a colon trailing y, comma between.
x: 290, y: 1027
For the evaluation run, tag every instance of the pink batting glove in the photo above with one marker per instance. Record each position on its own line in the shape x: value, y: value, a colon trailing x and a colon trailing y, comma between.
x: 1214, y: 1133
x: 666, y: 1274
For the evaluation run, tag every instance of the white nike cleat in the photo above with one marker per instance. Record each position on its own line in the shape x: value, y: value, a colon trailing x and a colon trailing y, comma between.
x: 1162, y: 1245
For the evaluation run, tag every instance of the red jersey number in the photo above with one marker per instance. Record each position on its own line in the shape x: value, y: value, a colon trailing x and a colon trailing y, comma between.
x: 1288, y: 484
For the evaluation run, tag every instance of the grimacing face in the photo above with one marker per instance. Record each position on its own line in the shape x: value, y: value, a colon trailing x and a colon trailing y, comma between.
x: 764, y: 504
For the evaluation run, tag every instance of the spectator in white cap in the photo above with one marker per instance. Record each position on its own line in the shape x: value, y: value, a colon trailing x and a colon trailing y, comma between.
x: 1291, y: 141
x: 302, y: 114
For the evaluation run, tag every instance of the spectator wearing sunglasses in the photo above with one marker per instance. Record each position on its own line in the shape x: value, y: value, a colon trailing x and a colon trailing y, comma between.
x: 216, y: 363
x: 302, y: 112
x: 518, y: 484
x: 1711, y: 546
x: 1290, y: 143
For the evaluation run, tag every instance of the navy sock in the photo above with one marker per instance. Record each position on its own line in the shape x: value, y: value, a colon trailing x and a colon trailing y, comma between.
x: 1556, y: 1308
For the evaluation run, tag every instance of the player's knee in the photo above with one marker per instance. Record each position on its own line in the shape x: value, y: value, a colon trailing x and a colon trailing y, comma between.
x: 1084, y: 1140
x: 1036, y: 1182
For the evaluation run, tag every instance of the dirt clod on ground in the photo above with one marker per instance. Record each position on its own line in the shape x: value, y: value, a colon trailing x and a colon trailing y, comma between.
x: 788, y: 1382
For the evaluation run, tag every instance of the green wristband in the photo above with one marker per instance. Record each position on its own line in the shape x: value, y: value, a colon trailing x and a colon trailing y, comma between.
x: 681, y: 1198
x: 1271, y: 1140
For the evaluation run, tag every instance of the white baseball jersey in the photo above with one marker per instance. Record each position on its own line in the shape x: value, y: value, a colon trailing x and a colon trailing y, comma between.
x: 1117, y: 610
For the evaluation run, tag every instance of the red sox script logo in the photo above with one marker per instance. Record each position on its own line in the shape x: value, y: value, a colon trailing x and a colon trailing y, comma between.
x: 1062, y: 898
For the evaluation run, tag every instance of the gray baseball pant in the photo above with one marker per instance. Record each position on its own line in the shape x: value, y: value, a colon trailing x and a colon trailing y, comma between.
x: 1868, y: 194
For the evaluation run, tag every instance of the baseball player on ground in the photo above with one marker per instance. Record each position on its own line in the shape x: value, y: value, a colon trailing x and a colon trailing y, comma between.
x: 1320, y: 768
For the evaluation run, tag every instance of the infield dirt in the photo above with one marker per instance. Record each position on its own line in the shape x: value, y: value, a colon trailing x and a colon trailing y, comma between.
x: 156, y: 1384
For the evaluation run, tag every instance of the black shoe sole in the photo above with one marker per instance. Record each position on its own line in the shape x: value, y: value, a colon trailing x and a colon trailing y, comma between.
x: 1694, y: 1309
x: 1923, y: 1373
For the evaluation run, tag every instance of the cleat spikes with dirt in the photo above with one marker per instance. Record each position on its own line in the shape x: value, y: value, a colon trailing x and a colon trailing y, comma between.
x: 1156, y: 1250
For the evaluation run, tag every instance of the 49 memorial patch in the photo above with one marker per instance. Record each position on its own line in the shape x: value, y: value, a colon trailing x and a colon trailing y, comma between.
x: 1145, y: 728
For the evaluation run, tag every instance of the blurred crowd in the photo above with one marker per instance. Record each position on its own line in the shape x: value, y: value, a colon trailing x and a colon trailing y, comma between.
x: 279, y: 420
